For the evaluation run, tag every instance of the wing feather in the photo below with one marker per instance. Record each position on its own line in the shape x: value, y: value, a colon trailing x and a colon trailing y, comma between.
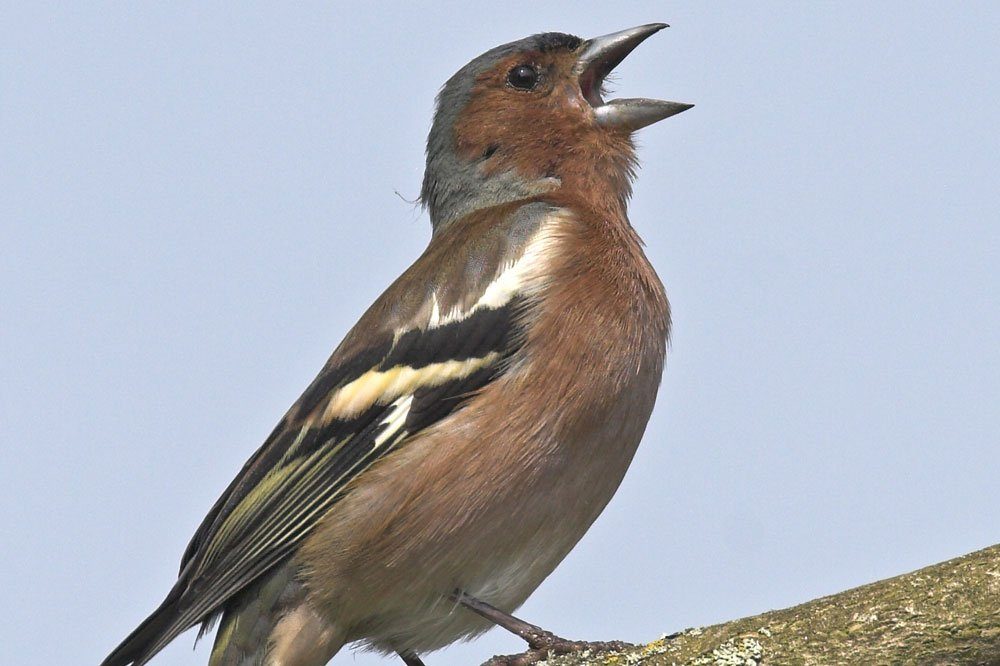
x: 303, y: 468
x: 404, y: 367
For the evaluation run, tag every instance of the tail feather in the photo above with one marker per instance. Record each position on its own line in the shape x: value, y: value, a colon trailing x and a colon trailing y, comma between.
x: 243, y: 638
x: 151, y: 636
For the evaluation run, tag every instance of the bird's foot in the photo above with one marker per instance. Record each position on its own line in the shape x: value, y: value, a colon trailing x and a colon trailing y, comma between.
x: 543, y: 645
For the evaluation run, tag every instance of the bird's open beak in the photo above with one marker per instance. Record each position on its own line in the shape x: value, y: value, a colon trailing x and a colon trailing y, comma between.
x: 600, y: 55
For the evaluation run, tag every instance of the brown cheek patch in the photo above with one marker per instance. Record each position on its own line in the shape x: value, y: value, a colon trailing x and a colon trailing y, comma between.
x: 547, y: 133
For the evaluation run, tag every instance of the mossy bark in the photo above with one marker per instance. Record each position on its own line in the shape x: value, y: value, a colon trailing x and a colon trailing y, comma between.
x: 948, y: 613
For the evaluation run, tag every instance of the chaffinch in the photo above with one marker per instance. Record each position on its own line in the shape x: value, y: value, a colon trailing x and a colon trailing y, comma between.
x: 477, y: 419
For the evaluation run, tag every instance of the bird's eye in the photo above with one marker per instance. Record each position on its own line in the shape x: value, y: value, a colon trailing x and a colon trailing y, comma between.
x: 523, y: 77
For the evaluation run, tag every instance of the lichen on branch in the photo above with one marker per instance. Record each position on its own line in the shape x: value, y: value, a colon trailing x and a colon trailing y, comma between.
x: 948, y: 613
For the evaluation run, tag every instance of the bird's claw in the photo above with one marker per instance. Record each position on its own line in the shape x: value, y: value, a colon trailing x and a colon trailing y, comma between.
x: 544, y: 644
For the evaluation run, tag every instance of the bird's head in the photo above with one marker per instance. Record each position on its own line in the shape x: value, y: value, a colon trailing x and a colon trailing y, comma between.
x: 528, y: 118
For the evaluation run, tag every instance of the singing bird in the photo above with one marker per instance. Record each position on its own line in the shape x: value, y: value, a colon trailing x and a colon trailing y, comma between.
x: 480, y: 415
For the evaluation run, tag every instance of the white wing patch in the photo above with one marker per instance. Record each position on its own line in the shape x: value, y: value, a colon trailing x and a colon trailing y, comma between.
x: 385, y: 386
x: 523, y: 275
x: 435, y: 318
x: 394, y: 422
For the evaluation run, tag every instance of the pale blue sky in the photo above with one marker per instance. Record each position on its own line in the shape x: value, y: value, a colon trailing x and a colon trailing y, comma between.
x: 196, y: 204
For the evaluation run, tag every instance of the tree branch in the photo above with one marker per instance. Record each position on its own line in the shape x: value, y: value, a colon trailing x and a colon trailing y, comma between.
x: 948, y: 613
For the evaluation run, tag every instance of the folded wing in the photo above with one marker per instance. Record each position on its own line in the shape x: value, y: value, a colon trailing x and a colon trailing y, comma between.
x: 415, y: 357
